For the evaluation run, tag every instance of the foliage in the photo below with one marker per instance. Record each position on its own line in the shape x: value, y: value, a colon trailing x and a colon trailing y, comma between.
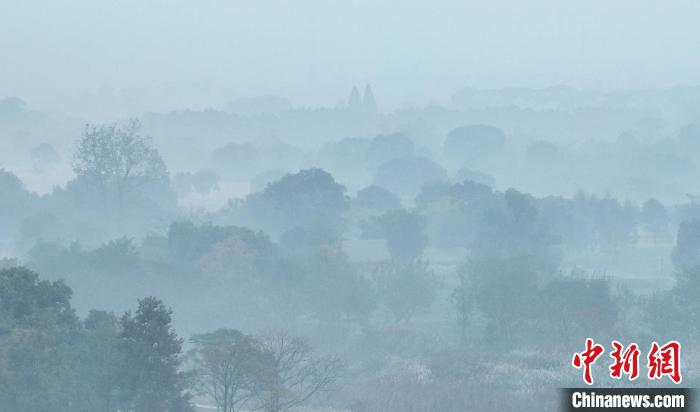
x: 686, y: 252
x: 149, y: 375
x: 376, y: 198
x: 406, y: 175
x: 404, y: 232
x: 517, y: 230
x: 116, y: 158
x: 406, y: 288
x: 502, y: 289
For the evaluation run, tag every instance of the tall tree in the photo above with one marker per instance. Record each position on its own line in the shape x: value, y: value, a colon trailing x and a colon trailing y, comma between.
x: 354, y: 101
x: 295, y: 374
x: 227, y: 367
x: 150, y: 377
x: 37, y: 329
x: 686, y: 252
x: 368, y: 102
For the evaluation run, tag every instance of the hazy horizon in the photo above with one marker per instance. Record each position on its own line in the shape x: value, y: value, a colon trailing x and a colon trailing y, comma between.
x: 174, y: 55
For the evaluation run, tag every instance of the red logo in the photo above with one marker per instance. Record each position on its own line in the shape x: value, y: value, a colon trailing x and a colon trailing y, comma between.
x: 665, y: 361
x: 587, y: 358
x: 626, y: 361
x: 662, y: 360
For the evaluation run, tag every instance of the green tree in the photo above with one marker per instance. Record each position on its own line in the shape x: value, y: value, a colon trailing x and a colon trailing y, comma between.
x: 150, y: 376
x: 332, y: 287
x: 404, y: 232
x: 310, y: 198
x: 686, y: 251
x: 503, y: 291
x: 37, y: 329
x: 118, y: 158
x: 405, y: 287
x: 97, y: 359
x: 517, y: 229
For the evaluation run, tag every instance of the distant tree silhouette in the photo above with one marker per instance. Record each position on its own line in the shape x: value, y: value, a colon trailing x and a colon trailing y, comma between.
x: 368, y: 103
x: 686, y: 252
x: 354, y: 101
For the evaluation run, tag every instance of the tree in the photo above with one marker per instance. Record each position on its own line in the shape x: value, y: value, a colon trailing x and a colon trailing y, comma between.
x: 332, y: 287
x: 407, y: 175
x: 617, y: 224
x: 377, y: 198
x: 118, y: 158
x: 473, y: 142
x: 97, y: 360
x: 682, y: 306
x: 405, y: 287
x: 12, y: 106
x: 294, y: 373
x: 16, y: 202
x: 201, y: 182
x: 517, y: 229
x: 455, y: 213
x: 474, y: 176
x: 354, y: 102
x: 310, y: 198
x: 44, y: 158
x: 502, y: 289
x: 462, y: 301
x: 368, y: 102
x: 118, y: 257
x: 686, y: 252
x: 239, y: 159
x: 149, y: 376
x: 209, y: 246
x: 655, y: 220
x: 586, y: 303
x: 228, y: 367
x: 404, y: 232
x: 385, y: 148
x: 50, y: 361
x: 37, y: 329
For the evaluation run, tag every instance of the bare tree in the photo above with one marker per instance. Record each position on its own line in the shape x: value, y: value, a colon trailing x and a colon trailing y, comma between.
x: 294, y: 373
x: 226, y: 365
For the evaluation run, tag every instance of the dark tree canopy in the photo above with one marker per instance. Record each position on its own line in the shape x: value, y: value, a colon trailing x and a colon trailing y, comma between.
x: 310, y: 198
x: 404, y: 232
x: 406, y: 175
x: 474, y: 141
x: 686, y: 252
x: 384, y: 148
x: 377, y: 198
x: 655, y: 219
x: 151, y: 378
x: 518, y: 230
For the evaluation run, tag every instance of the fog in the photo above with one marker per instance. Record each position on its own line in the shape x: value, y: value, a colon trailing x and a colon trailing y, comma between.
x: 131, y: 55
x: 353, y: 206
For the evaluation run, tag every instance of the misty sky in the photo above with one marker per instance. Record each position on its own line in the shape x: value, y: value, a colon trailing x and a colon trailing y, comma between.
x: 165, y: 53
